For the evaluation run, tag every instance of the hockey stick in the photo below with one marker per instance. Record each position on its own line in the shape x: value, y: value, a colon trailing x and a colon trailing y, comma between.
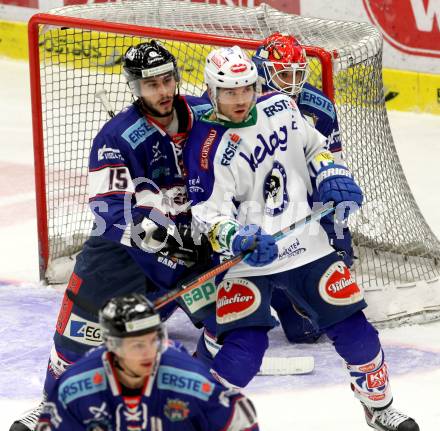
x: 274, y: 366
x: 229, y: 263
x: 101, y: 95
x: 271, y: 366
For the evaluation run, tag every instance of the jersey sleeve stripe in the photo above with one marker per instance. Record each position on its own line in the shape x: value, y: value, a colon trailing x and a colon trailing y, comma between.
x: 111, y: 179
x: 119, y: 165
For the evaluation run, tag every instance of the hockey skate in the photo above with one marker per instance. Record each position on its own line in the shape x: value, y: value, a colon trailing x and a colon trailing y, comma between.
x: 389, y: 419
x: 29, y: 420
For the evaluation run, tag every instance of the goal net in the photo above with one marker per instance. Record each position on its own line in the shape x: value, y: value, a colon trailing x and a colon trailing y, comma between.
x: 76, y: 50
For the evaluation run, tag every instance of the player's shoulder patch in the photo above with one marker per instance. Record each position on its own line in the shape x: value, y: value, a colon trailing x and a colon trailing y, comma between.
x: 314, y: 98
x: 138, y: 132
x: 208, y: 135
x: 81, y: 385
x: 199, y: 105
x: 185, y: 381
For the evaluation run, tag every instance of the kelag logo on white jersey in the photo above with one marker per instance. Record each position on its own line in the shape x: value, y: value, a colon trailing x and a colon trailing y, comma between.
x: 267, y: 147
x: 275, y: 190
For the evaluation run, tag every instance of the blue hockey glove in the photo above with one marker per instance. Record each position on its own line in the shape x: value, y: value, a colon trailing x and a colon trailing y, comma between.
x: 252, y: 237
x: 335, y: 183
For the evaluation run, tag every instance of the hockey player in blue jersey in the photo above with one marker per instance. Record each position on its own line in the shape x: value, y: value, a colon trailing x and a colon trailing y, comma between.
x: 254, y: 167
x: 140, y: 381
x: 141, y: 239
x: 283, y: 66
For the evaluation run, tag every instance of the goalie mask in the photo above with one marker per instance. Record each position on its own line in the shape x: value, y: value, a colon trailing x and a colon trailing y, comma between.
x: 230, y: 68
x: 282, y: 64
x: 147, y: 60
x: 131, y: 316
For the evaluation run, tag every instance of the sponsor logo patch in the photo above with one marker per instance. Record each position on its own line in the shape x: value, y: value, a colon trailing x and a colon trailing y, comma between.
x: 236, y: 299
x: 64, y: 314
x: 81, y: 385
x: 74, y: 283
x: 377, y: 378
x: 338, y: 287
x: 167, y: 262
x: 293, y: 249
x: 83, y: 331
x: 378, y: 397
x: 231, y: 147
x: 238, y: 68
x: 206, y: 148
x: 275, y: 190
x: 266, y: 147
x: 138, y: 133
x: 184, y: 382
x: 218, y: 60
x: 176, y: 410
x: 367, y: 368
x: 200, y: 297
x: 109, y: 154
x: 278, y: 106
x: 194, y: 185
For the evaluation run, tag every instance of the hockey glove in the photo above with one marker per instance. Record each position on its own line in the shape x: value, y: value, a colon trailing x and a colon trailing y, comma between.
x: 159, y: 235
x: 340, y: 239
x: 252, y: 238
x: 335, y: 183
x: 187, y: 249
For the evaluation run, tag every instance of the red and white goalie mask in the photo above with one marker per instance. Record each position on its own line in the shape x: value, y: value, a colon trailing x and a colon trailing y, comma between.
x: 282, y: 64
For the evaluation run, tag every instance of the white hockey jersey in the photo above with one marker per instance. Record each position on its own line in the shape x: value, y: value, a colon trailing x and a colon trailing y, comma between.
x: 257, y: 172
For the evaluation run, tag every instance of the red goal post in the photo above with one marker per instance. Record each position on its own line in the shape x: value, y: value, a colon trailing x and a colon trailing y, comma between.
x: 324, y: 57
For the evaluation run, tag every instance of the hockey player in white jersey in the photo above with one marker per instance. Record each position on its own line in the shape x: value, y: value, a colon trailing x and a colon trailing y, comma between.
x: 253, y: 162
x: 282, y: 65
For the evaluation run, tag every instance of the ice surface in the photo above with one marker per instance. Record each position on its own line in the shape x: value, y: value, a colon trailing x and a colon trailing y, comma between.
x: 320, y: 401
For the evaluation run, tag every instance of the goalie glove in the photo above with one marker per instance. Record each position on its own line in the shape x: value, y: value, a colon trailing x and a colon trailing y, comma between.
x: 335, y: 183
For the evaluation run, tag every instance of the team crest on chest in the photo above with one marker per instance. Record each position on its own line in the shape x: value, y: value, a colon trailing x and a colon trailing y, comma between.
x: 176, y: 410
x: 275, y: 190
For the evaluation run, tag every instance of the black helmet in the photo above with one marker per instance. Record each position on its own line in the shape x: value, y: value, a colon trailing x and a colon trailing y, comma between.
x: 148, y: 59
x: 128, y: 316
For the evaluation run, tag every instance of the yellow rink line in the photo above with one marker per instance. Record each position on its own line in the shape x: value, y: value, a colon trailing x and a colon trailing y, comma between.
x: 404, y: 90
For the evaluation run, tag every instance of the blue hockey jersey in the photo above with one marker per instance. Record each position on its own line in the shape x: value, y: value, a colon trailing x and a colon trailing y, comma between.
x: 136, y: 171
x: 320, y: 111
x: 180, y: 395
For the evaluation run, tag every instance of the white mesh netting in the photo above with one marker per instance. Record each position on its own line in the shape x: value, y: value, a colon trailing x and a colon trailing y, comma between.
x: 398, y: 255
